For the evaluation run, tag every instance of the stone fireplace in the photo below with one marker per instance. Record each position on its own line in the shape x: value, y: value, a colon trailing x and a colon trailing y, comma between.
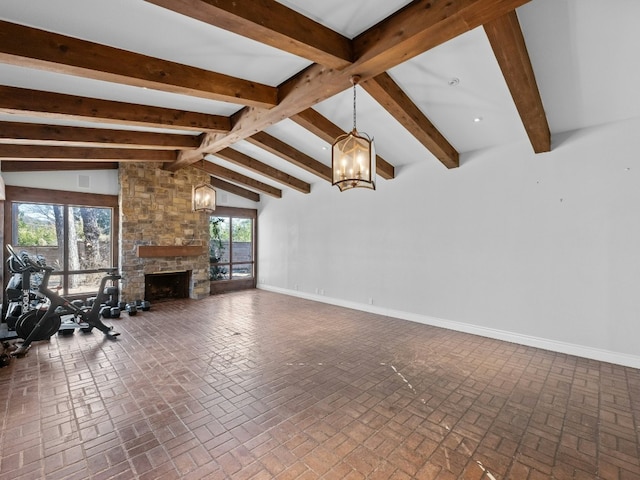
x: 159, y: 234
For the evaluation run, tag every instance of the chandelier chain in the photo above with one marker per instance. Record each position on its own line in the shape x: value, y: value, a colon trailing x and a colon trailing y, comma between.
x: 354, y: 107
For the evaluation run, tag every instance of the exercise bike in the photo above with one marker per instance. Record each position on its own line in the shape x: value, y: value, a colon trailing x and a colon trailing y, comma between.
x: 43, y: 322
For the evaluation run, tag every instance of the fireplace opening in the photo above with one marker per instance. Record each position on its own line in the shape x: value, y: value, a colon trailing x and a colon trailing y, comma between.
x: 166, y: 285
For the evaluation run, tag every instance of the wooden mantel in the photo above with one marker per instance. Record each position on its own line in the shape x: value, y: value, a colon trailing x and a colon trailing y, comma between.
x: 149, y: 251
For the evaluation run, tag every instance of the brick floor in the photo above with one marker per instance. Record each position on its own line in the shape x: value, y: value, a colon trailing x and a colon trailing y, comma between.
x: 256, y: 385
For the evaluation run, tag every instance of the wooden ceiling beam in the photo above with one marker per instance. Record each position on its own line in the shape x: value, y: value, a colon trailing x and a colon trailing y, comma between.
x: 225, y: 173
x: 250, y: 163
x: 271, y: 23
x: 57, y: 105
x: 507, y: 42
x: 235, y: 189
x: 287, y: 152
x: 18, y: 133
x: 377, y: 50
x: 328, y: 131
x: 421, y: 26
x: 47, y: 152
x: 389, y: 94
x: 33, y: 48
x: 46, y: 166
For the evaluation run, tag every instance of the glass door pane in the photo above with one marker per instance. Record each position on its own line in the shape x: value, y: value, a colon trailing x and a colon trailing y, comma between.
x: 219, y: 248
x: 241, y: 271
x: 242, y: 240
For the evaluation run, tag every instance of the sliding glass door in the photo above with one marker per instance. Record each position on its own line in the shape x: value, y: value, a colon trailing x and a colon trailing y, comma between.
x: 232, y: 249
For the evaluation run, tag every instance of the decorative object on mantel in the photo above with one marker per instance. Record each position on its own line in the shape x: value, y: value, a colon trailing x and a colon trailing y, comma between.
x: 151, y: 251
x: 353, y: 156
x: 203, y: 197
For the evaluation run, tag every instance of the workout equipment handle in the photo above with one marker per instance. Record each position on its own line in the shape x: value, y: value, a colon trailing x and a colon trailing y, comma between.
x: 15, y: 258
x: 26, y: 262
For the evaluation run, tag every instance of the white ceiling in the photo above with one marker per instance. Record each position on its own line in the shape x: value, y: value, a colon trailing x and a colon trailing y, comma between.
x: 585, y: 55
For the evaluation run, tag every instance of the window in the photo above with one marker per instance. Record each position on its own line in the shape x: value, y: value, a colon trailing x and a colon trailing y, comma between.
x: 76, y: 239
x: 232, y: 248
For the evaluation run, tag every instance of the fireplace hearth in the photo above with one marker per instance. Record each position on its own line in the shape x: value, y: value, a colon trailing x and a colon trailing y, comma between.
x: 166, y: 285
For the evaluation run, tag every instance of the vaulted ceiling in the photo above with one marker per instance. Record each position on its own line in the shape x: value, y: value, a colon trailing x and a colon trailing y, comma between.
x: 259, y: 89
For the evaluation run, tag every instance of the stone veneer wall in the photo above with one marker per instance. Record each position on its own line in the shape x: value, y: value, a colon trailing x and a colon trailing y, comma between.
x: 155, y: 209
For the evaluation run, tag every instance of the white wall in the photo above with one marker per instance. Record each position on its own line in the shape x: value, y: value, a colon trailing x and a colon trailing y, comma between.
x: 226, y: 199
x: 104, y: 182
x: 539, y: 249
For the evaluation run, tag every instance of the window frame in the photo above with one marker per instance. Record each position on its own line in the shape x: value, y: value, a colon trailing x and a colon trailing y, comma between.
x: 67, y: 199
x: 231, y: 284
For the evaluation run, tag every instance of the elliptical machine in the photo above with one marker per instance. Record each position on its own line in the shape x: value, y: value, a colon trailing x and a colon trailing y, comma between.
x: 45, y: 320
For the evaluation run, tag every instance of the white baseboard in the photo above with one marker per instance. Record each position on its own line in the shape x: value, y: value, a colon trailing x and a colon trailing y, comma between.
x: 530, y: 341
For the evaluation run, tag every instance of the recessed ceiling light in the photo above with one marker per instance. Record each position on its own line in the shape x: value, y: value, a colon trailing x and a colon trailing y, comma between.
x: 453, y: 81
x: 477, y: 119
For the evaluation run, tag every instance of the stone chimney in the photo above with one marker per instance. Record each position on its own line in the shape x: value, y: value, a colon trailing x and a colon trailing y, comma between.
x: 155, y: 211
